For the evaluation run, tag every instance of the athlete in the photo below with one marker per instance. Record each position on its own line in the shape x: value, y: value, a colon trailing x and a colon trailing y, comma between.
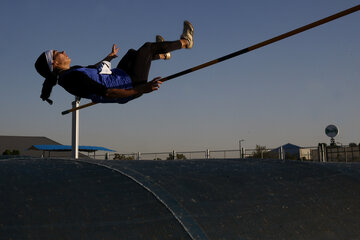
x: 100, y: 82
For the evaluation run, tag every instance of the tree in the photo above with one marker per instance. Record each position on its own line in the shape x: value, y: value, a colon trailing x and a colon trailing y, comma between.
x: 262, y: 152
x: 15, y: 152
x: 123, y: 157
x: 178, y: 156
x: 352, y: 145
x: 259, y: 152
x: 9, y: 152
x: 272, y: 154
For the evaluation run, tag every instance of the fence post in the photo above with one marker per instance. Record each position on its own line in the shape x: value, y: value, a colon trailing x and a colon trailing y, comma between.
x: 280, y: 153
x: 326, y: 154
x: 321, y: 152
x: 345, y: 154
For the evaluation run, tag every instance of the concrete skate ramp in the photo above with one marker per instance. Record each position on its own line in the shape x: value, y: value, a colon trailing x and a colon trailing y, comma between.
x: 192, y: 199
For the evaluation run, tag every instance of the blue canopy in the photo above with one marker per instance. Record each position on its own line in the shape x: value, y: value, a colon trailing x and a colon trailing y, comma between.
x: 68, y: 148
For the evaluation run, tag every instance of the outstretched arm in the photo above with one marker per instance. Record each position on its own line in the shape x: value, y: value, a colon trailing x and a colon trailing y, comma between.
x: 136, y: 91
x: 111, y: 55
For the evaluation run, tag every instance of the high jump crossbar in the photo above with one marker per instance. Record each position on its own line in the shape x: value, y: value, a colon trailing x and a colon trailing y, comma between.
x: 246, y: 50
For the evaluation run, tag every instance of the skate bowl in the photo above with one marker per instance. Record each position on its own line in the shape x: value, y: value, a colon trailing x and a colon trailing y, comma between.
x: 178, y: 199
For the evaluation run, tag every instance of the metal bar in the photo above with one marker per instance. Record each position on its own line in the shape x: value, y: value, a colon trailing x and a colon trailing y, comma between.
x: 265, y: 43
x: 251, y: 48
x: 78, y: 108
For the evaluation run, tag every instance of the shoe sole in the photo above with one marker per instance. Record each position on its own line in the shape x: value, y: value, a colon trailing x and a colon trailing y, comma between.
x: 159, y: 38
x: 189, y: 26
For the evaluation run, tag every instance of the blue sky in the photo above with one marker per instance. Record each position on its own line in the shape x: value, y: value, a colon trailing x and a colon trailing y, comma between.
x: 285, y: 92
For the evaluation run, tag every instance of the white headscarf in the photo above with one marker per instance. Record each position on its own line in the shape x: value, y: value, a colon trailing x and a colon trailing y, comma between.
x: 49, y: 58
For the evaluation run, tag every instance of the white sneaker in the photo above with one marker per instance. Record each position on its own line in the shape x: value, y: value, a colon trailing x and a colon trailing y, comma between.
x: 188, y: 34
x: 161, y: 39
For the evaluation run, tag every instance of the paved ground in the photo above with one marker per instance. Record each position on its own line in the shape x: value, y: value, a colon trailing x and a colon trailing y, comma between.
x: 192, y: 199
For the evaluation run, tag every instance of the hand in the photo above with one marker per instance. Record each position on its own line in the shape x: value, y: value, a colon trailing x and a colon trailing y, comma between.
x: 114, y: 51
x: 152, y: 85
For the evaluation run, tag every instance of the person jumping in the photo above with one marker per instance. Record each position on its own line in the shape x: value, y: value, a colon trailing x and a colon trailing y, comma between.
x: 101, y: 83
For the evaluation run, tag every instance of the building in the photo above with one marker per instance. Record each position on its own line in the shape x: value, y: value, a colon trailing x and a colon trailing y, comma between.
x: 289, y: 151
x: 42, y: 147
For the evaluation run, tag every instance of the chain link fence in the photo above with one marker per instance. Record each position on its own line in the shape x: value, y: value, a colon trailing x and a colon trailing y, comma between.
x: 321, y: 153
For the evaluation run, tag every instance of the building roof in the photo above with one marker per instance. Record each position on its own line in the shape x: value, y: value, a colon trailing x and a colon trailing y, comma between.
x: 24, y: 143
x: 67, y: 148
